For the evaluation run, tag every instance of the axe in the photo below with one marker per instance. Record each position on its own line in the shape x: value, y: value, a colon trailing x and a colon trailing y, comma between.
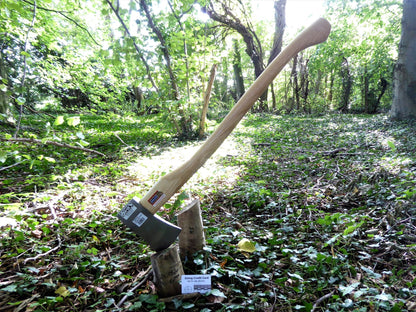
x: 139, y: 214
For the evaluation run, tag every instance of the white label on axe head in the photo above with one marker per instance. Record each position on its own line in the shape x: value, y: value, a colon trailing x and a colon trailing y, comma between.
x: 139, y: 219
x: 127, y: 211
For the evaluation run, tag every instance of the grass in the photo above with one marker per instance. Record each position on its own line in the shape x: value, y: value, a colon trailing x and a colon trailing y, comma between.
x: 328, y: 202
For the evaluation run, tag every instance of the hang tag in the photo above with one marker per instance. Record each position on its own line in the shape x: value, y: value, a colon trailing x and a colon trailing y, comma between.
x: 196, y: 283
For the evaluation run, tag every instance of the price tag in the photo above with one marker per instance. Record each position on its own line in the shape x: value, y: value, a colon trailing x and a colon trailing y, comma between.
x: 196, y: 283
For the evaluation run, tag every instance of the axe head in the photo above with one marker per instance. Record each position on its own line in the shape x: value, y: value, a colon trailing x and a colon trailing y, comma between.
x: 155, y: 231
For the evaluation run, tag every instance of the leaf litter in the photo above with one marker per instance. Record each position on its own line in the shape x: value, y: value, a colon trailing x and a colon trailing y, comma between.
x: 326, y: 203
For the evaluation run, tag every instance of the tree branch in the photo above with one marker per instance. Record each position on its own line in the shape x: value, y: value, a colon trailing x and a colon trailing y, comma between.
x: 139, y: 52
x: 35, y: 141
x: 68, y: 18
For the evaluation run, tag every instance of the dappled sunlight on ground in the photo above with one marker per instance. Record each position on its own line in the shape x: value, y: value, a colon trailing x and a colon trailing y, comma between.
x: 149, y: 169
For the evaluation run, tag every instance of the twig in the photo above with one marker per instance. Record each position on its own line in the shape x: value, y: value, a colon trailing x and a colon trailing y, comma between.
x: 121, y: 140
x: 58, y: 237
x: 14, y: 165
x: 146, y: 276
x: 319, y: 301
x: 35, y: 141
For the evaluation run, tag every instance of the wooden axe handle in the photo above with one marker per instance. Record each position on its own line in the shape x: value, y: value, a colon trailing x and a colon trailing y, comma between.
x: 169, y: 184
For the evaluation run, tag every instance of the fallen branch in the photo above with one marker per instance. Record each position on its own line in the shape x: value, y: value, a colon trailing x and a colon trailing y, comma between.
x: 130, y: 291
x: 35, y: 141
x: 14, y: 165
x: 319, y: 301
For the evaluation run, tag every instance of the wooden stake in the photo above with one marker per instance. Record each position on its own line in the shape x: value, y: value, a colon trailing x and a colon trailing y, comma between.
x: 192, y: 238
x: 207, y: 95
x: 167, y: 270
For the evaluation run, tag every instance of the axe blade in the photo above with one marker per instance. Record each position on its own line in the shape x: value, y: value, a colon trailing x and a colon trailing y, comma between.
x: 155, y: 231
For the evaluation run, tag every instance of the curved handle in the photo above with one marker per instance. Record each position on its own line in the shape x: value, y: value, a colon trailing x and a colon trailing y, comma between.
x: 168, y: 185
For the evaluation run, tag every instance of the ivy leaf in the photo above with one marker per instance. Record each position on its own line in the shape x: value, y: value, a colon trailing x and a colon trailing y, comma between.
x: 217, y: 293
x: 348, y: 289
x: 59, y: 121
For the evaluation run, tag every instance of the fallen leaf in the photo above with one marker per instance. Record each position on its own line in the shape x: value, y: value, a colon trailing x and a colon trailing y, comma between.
x: 246, y: 245
x: 62, y: 291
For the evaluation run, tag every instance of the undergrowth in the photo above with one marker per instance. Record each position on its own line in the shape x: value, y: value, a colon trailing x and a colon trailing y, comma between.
x: 328, y: 203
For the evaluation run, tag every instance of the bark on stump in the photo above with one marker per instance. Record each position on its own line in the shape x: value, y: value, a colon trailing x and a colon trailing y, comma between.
x: 167, y: 271
x: 191, y: 238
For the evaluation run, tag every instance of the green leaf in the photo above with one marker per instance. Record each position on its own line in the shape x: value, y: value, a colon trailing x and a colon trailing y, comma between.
x: 24, y: 53
x: 217, y: 293
x: 3, y: 156
x: 50, y: 159
x: 21, y: 100
x: 59, y: 121
x: 349, y: 289
x: 391, y: 145
x: 73, y: 121
x: 10, y: 288
x: 352, y: 228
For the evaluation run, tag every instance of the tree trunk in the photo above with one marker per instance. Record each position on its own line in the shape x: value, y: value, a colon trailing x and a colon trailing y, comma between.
x: 185, y: 124
x: 366, y: 83
x: 4, y: 98
x: 139, y: 52
x: 346, y: 86
x: 295, y: 84
x: 404, y: 91
x: 238, y: 75
x: 163, y: 47
x: 138, y: 95
x: 279, y: 28
x: 253, y: 46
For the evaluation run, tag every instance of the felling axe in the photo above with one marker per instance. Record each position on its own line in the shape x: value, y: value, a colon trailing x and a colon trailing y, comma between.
x: 139, y: 215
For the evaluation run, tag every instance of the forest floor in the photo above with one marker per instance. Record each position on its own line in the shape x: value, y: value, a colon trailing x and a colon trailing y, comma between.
x: 328, y: 203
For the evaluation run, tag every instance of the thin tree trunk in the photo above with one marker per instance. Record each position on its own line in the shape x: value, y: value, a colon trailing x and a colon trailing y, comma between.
x: 346, y: 86
x: 238, y: 75
x: 295, y: 84
x: 279, y: 29
x: 163, y: 47
x: 4, y: 98
x: 139, y: 52
x: 185, y: 48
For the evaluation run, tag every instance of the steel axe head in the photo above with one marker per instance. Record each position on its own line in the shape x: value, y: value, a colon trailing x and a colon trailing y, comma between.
x: 155, y: 231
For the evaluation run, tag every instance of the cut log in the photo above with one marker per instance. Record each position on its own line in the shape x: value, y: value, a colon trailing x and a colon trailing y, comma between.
x: 167, y: 271
x: 191, y: 238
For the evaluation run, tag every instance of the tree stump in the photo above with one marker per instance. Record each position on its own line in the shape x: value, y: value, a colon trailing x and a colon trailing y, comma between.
x: 167, y: 271
x: 191, y: 238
